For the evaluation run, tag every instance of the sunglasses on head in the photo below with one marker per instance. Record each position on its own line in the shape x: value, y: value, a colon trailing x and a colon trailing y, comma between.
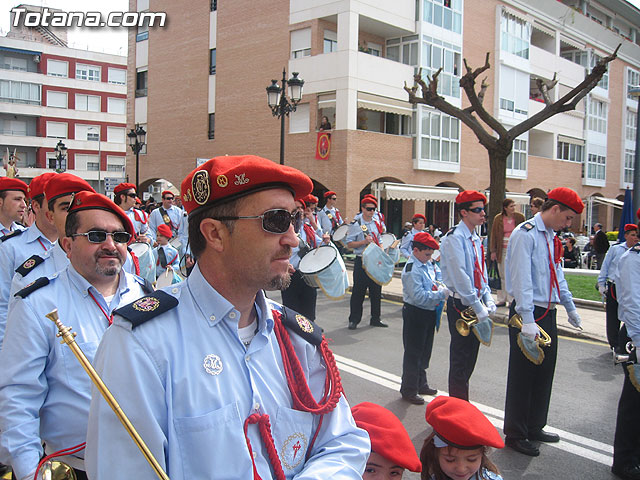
x: 275, y: 221
x: 99, y: 236
x: 369, y: 209
x: 477, y: 209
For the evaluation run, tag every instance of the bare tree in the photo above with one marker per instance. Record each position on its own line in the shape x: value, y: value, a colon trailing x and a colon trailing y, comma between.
x: 490, y: 132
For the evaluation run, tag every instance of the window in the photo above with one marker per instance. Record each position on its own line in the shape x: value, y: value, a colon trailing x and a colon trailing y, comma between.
x: 14, y: 63
x: 604, y: 81
x: 141, y: 83
x: 86, y: 162
x: 374, y: 49
x: 440, y: 137
x: 57, y: 68
x: 515, y: 35
x: 437, y: 54
x: 403, y: 50
x: 14, y: 127
x: 597, y: 116
x: 88, y: 132
x: 596, y: 167
x: 631, y: 126
x: 633, y: 80
x: 514, y: 90
x: 88, y: 72
x: 118, y: 76
x: 116, y: 105
x: 517, y: 159
x: 87, y: 103
x: 115, y: 163
x: 443, y: 13
x: 57, y: 99
x: 212, y: 61
x: 576, y: 56
x: 299, y: 120
x: 572, y: 152
x: 301, y: 43
x: 212, y: 126
x: 116, y: 135
x: 629, y: 156
x: 54, y: 163
x: 214, y: 5
x: 19, y: 92
x: 56, y: 129
x: 330, y: 41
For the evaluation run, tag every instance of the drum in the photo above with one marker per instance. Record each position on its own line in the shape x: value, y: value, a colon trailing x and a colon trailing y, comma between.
x: 147, y: 262
x: 169, y: 277
x: 323, y: 268
x: 386, y: 240
x: 175, y: 243
x: 340, y: 235
x: 378, y: 264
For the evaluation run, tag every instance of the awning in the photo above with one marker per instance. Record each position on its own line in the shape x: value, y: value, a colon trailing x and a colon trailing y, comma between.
x: 544, y: 29
x: 384, y: 104
x: 403, y: 191
x: 608, y: 201
x: 19, y: 50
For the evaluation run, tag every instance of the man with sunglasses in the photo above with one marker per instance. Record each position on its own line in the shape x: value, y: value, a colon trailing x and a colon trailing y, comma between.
x: 218, y: 379
x: 362, y: 232
x: 167, y: 214
x: 464, y: 272
x: 418, y: 222
x: 44, y: 391
x: 125, y: 197
x: 329, y: 216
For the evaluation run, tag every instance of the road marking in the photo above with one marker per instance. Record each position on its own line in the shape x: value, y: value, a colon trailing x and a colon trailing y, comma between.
x: 570, y: 442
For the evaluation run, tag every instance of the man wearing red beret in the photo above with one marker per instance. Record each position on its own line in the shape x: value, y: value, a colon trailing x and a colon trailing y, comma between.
x: 418, y: 223
x: 13, y: 194
x: 536, y: 281
x: 329, y: 216
x: 422, y: 292
x: 218, y: 379
x: 170, y: 215
x: 464, y: 272
x: 125, y: 197
x: 42, y: 386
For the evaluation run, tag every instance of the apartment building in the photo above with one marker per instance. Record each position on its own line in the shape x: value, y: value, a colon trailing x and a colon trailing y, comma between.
x: 53, y: 96
x: 197, y: 86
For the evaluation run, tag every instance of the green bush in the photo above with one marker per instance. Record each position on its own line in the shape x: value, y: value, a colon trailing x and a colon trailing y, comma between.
x: 612, y: 236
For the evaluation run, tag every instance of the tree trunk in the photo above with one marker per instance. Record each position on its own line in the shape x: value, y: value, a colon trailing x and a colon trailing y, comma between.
x: 497, y: 186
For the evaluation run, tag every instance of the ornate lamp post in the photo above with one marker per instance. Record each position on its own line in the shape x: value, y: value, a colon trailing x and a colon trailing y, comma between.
x: 136, y: 142
x: 280, y: 105
x: 61, y: 157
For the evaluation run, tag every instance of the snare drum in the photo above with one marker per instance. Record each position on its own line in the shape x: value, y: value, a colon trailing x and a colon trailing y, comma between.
x: 146, y: 260
x: 175, y: 243
x: 386, y: 240
x: 340, y: 235
x: 323, y: 268
x: 168, y: 277
x: 378, y: 264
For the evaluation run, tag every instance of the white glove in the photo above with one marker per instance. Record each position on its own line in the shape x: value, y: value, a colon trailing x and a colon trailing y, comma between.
x: 602, y: 289
x: 445, y: 290
x: 530, y: 329
x: 574, y: 319
x: 491, y: 307
x: 483, y: 314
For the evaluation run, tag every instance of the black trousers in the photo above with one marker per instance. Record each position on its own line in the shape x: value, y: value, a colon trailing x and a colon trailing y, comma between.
x: 362, y: 283
x: 613, y: 324
x: 300, y: 297
x: 529, y: 385
x: 418, y: 327
x: 463, y: 353
x: 626, y: 442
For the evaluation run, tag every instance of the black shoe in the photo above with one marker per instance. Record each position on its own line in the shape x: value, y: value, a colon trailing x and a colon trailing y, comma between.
x: 630, y: 472
x: 378, y: 324
x: 415, y: 399
x: 501, y: 304
x: 542, y: 436
x: 427, y: 390
x: 352, y: 325
x: 522, y: 445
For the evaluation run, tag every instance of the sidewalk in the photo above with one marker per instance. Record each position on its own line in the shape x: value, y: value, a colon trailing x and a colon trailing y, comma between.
x: 591, y: 313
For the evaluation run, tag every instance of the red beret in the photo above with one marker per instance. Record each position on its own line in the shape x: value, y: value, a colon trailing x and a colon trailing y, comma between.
x: 388, y: 436
x: 470, y: 196
x: 89, y: 200
x: 36, y: 187
x: 329, y: 193
x: 566, y: 197
x: 227, y: 178
x: 164, y: 230
x: 302, y: 201
x: 65, y: 184
x: 167, y: 192
x: 366, y: 199
x: 8, y: 183
x: 426, y: 239
x: 310, y: 199
x: 630, y: 226
x: 419, y: 215
x: 369, y: 195
x: 123, y: 187
x: 460, y: 424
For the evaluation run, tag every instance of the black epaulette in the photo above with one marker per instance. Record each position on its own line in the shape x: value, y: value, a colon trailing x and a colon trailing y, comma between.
x: 29, y: 264
x: 408, y: 267
x: 147, y: 307
x: 32, y: 287
x: 13, y: 234
x: 526, y: 226
x: 302, y: 326
x: 451, y: 230
x: 636, y: 248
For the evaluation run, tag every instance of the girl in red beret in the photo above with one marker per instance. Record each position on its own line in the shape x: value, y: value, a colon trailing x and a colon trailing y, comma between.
x: 457, y: 448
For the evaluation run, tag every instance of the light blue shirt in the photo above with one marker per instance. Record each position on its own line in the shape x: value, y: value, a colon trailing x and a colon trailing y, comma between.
x: 458, y: 252
x: 356, y: 233
x: 527, y: 269
x: 178, y: 223
x: 405, y: 245
x: 172, y: 256
x: 418, y: 282
x: 44, y: 391
x: 294, y: 260
x: 627, y: 281
x: 326, y: 223
x: 609, y: 267
x: 137, y: 216
x: 6, y: 231
x: 188, y: 384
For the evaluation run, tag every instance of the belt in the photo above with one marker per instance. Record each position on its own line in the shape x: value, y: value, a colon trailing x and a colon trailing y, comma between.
x: 544, y: 305
x: 456, y: 295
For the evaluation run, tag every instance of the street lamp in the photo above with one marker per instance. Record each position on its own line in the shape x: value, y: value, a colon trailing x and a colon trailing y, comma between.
x: 635, y: 91
x: 61, y: 157
x: 136, y: 142
x: 280, y: 104
x: 95, y: 129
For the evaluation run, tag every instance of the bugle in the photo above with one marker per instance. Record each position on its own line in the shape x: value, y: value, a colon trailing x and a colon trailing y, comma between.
x: 467, y: 320
x: 628, y: 357
x: 69, y: 338
x: 543, y: 339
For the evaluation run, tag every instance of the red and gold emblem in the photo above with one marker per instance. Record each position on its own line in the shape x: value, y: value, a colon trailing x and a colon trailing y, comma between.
x: 304, y: 324
x: 146, y: 304
x: 29, y: 264
x: 293, y: 451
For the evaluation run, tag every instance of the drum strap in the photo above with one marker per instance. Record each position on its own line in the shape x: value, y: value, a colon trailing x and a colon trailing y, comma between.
x: 310, y: 234
x: 142, y: 220
x: 167, y: 219
x: 136, y: 262
x: 162, y: 258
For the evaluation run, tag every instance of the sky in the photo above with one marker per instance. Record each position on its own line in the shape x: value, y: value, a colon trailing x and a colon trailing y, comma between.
x: 101, y: 39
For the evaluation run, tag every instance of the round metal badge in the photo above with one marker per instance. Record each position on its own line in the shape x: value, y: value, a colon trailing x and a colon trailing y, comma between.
x: 201, y: 187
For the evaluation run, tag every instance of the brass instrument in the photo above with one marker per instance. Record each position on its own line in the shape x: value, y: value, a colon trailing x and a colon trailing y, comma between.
x: 544, y: 340
x: 55, y: 470
x: 622, y: 358
x: 469, y: 319
x: 69, y: 338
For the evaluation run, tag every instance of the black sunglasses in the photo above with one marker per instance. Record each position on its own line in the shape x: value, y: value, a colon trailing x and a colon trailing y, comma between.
x: 99, y: 236
x: 477, y: 209
x: 168, y: 198
x: 369, y: 209
x: 333, y: 198
x: 276, y: 221
x: 131, y: 195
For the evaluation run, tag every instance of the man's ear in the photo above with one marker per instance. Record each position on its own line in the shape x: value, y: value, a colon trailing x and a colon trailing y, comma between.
x: 215, y: 233
x: 65, y: 243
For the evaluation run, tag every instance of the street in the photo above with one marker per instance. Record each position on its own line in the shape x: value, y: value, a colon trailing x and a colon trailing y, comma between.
x: 583, y: 403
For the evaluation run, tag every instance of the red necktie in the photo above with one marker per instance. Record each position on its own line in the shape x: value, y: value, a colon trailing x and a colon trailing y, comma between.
x: 477, y: 271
